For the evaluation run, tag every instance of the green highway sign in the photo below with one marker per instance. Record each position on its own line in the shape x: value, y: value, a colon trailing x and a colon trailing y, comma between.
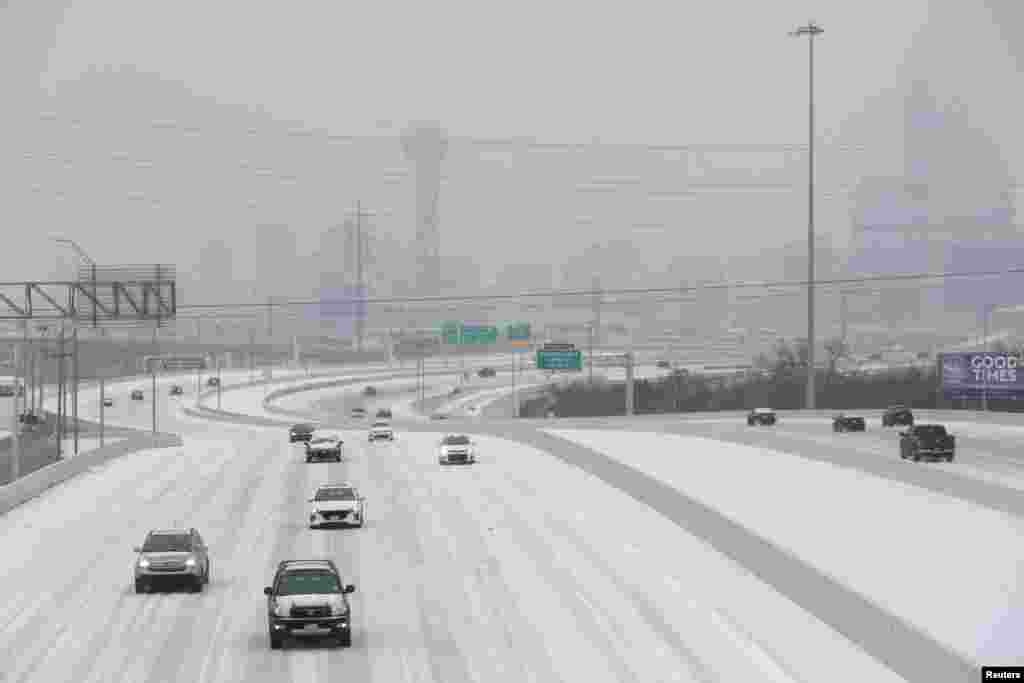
x: 559, y: 360
x: 461, y: 333
x: 451, y: 332
x: 479, y: 334
x: 518, y: 331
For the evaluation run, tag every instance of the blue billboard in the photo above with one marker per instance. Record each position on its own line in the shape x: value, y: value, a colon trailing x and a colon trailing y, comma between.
x: 975, y: 374
x: 340, y: 308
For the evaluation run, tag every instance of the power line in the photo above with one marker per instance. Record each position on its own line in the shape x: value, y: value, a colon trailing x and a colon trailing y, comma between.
x: 583, y: 293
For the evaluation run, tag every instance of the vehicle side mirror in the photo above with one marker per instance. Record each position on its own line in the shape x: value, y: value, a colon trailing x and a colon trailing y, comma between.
x: 268, y: 591
x: 350, y: 589
x: 136, y: 549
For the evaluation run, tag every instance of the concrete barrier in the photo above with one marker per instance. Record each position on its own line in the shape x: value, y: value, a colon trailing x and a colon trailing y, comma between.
x: 32, y: 485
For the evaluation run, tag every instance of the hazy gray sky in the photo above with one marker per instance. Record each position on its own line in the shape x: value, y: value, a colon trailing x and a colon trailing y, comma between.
x: 648, y: 70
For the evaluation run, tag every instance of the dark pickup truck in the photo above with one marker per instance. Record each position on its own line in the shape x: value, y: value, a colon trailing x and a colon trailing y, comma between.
x: 927, y: 441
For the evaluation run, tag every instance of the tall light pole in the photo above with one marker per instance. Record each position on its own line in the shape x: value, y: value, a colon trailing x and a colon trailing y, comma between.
x: 811, y: 30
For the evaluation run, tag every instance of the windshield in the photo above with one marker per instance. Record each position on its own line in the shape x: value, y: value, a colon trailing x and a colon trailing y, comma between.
x: 323, y: 439
x: 308, y: 583
x: 336, y: 494
x: 456, y: 441
x: 303, y: 428
x: 168, y: 543
x: 931, y: 431
x: 380, y: 424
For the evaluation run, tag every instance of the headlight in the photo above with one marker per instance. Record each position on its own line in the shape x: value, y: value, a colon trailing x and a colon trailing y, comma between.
x: 339, y: 610
x: 190, y: 562
x: 143, y: 562
x: 279, y: 610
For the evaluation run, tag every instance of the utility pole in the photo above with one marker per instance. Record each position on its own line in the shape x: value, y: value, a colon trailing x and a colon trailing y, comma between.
x: 811, y: 30
x: 74, y: 372
x: 15, y: 427
x: 360, y: 247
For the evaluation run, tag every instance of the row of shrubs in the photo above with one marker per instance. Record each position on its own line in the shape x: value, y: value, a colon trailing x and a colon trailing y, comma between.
x: 786, y: 391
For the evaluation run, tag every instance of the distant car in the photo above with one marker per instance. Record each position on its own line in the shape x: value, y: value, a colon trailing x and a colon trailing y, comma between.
x: 761, y: 416
x: 6, y: 390
x: 324, y: 447
x: 384, y: 413
x: 336, y: 504
x: 308, y: 597
x: 177, y: 555
x: 664, y: 364
x: 176, y: 390
x: 108, y: 402
x: 848, y: 423
x: 212, y: 381
x: 358, y: 413
x: 301, y: 433
x: 137, y: 395
x: 382, y: 430
x: 927, y: 441
x: 456, y: 449
x: 439, y: 416
x: 30, y: 419
x: 369, y: 391
x: 486, y: 372
x: 897, y: 415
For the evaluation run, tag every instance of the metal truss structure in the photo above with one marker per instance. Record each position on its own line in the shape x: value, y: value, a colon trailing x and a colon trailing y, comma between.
x: 100, y: 296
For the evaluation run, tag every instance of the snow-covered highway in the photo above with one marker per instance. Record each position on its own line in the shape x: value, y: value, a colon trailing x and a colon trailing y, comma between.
x: 543, y: 562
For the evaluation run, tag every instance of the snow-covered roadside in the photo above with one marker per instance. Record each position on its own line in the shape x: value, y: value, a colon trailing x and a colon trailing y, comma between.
x: 921, y: 544
x: 694, y: 614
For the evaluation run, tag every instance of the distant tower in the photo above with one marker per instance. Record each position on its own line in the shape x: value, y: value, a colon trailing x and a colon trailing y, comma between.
x: 425, y: 145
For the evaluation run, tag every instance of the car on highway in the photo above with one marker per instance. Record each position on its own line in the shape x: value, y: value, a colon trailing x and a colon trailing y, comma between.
x: 369, y: 391
x: 929, y: 441
x: 324, y: 447
x: 761, y: 416
x: 336, y: 504
x: 108, y: 402
x: 848, y: 423
x: 382, y: 430
x: 456, y: 449
x: 897, y: 415
x: 301, y: 433
x: 486, y: 372
x: 213, y: 381
x: 384, y: 414
x: 176, y: 390
x: 308, y: 598
x: 30, y: 418
x: 137, y: 395
x: 439, y: 416
x: 358, y: 413
x: 6, y: 390
x: 172, y: 556
x: 663, y: 364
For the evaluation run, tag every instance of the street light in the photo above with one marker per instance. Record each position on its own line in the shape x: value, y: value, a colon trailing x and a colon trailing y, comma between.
x: 811, y: 30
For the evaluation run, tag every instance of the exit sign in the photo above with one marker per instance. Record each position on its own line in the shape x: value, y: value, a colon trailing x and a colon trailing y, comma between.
x: 559, y: 360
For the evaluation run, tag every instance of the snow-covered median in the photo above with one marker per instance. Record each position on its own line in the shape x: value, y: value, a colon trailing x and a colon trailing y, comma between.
x: 947, y: 566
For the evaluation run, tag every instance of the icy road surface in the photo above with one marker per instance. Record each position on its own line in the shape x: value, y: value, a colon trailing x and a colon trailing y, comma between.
x: 487, y: 573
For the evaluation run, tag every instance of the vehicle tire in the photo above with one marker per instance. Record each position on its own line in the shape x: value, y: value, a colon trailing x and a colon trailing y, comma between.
x: 206, y: 574
x: 345, y: 638
x: 916, y: 456
x: 275, y: 642
x: 949, y: 458
x: 140, y: 586
x: 309, y: 459
x: 197, y: 584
